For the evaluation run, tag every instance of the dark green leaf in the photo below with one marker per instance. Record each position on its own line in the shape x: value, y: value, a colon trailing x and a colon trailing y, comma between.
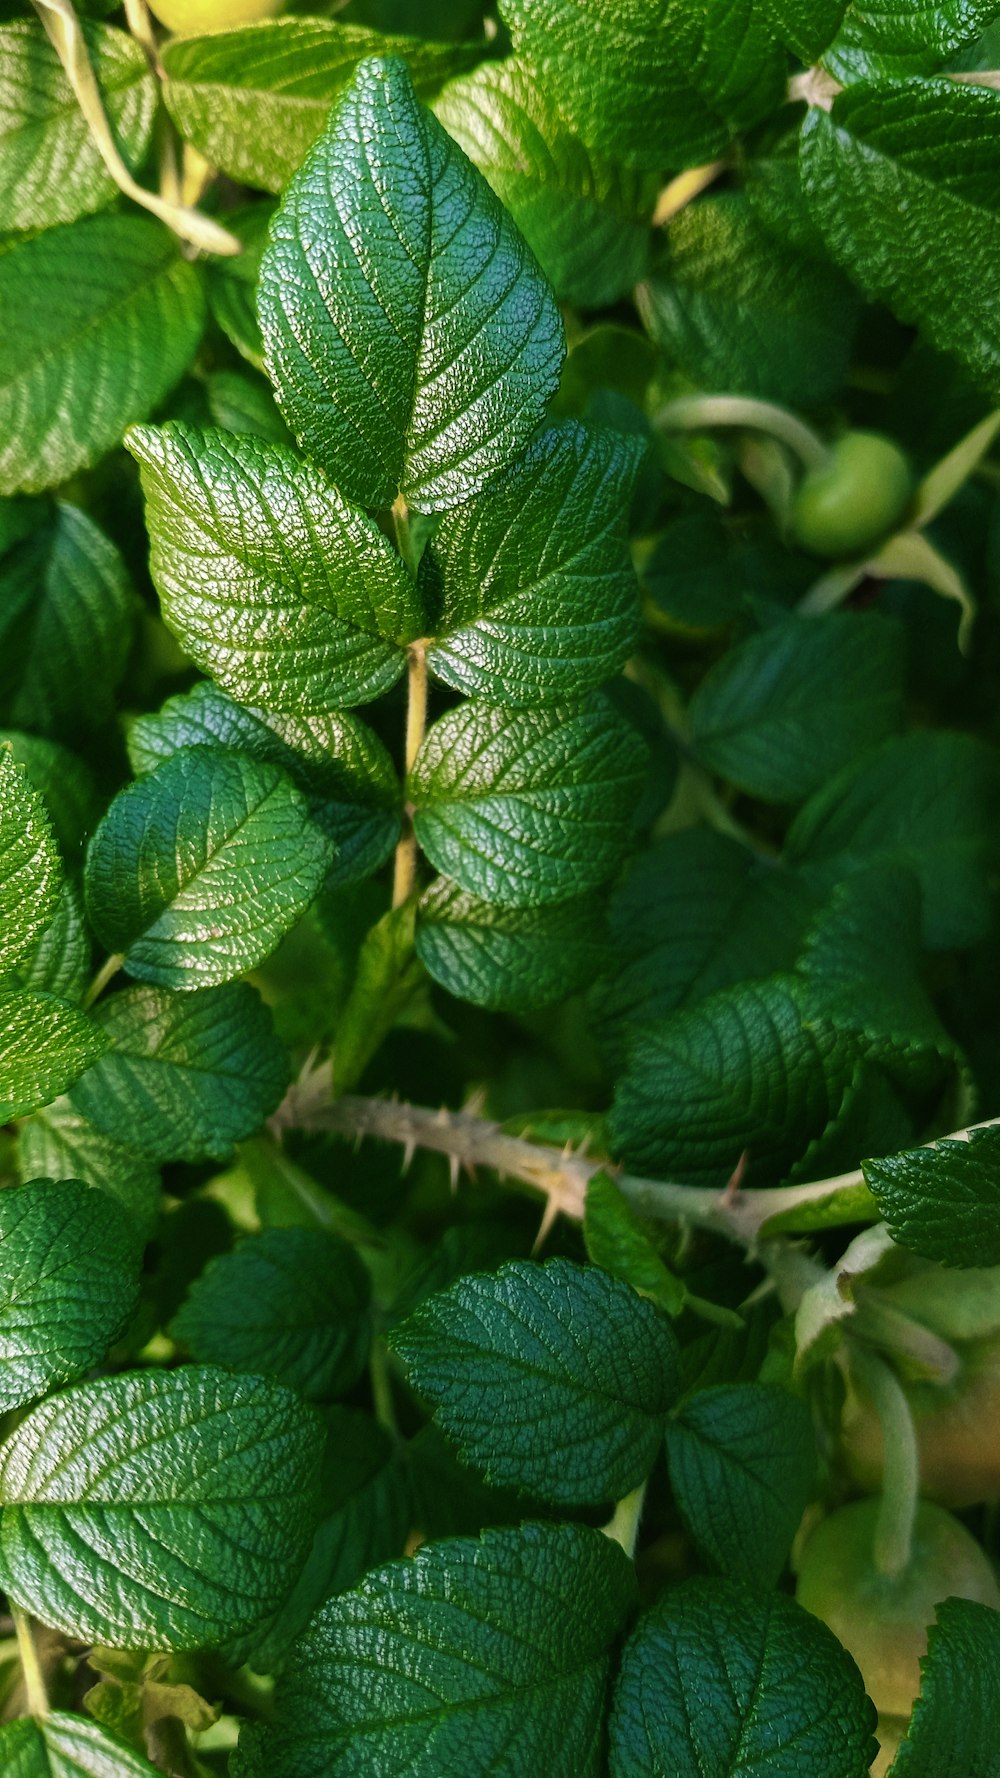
x: 534, y: 590
x: 422, y: 364
x: 289, y: 597
x: 187, y: 1496
x: 109, y: 316
x: 704, y: 569
x: 59, y: 962
x: 199, y: 869
x: 388, y: 983
x: 899, y: 179
x: 784, y: 710
x: 187, y: 1074
x: 618, y: 1243
x: 586, y: 219
x: 241, y: 402
x: 64, y: 1746
x: 954, y: 1719
x: 485, y: 1656
x: 45, y: 1045
x: 30, y: 870
x: 255, y: 99
x: 527, y: 807
x: 509, y: 959
x: 232, y: 283
x: 53, y: 171
x: 742, y: 1461
x: 719, y: 1679
x: 58, y: 1143
x: 807, y: 26
x: 286, y: 1303
x: 554, y: 1379
x: 943, y: 1201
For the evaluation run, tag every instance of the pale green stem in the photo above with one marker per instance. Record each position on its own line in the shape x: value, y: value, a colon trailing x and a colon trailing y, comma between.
x: 34, y: 1679
x: 405, y: 872
x: 900, y: 1463
x: 699, y: 413
x: 623, y: 1525
x: 108, y: 970
x: 403, y: 534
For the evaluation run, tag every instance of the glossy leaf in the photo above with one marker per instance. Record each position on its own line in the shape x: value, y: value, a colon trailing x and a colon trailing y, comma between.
x: 66, y: 785
x: 200, y: 868
x: 422, y: 364
x: 109, y: 316
x: 68, y: 1284
x: 278, y: 618
x: 45, y: 1045
x: 554, y: 1379
x: 952, y: 1724
x: 807, y: 26
x: 532, y: 584
x: 59, y: 961
x: 893, y: 38
x: 59, y: 1143
x: 188, y: 1494
x: 941, y: 1201
x: 485, y: 1656
x: 186, y: 1075
x: 65, y: 1746
x: 527, y: 807
x: 508, y: 959
x: 30, y: 869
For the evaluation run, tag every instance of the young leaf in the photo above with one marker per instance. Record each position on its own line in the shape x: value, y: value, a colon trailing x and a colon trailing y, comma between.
x: 535, y: 592
x: 617, y: 1242
x: 45, y: 1045
x: 554, y: 1379
x: 893, y: 38
x: 198, y: 870
x: 898, y: 179
x: 30, y: 868
x: 338, y: 763
x: 66, y: 625
x: 476, y: 1656
x: 186, y: 1497
x: 62, y: 1746
x: 388, y: 982
x: 286, y: 1303
x: 109, y: 316
x: 280, y: 618
x: 68, y: 1284
x: 527, y: 807
x: 784, y: 710
x: 587, y: 219
x: 509, y: 959
x: 742, y: 1462
x: 53, y: 171
x: 255, y: 99
x: 187, y: 1075
x: 717, y: 1678
x: 942, y: 1201
x: 954, y: 1719
x: 58, y: 1143
x: 422, y: 363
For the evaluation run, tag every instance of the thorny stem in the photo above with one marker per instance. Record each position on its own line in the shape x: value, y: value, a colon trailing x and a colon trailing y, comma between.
x: 698, y: 413
x: 108, y: 970
x: 901, y: 1460
x: 416, y: 722
x: 623, y: 1525
x: 31, y: 1667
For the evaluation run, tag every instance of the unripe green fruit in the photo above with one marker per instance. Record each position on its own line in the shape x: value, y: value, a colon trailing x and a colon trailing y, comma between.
x: 958, y: 1430
x: 855, y: 499
x: 881, y: 1619
x: 190, y: 17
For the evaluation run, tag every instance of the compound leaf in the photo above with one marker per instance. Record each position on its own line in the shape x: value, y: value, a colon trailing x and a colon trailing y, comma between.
x: 62, y: 1746
x: 509, y: 959
x: 200, y: 868
x: 187, y: 1497
x: 411, y: 338
x: 554, y: 1379
x: 288, y: 596
x: 45, y: 1045
x: 30, y: 868
x: 942, y: 1201
x: 187, y: 1074
x: 485, y: 1655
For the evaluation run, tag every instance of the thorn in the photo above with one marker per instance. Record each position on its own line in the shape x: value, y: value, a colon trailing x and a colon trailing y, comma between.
x: 443, y: 1117
x: 735, y: 1180
x: 409, y: 1150
x: 469, y: 1169
x: 549, y: 1215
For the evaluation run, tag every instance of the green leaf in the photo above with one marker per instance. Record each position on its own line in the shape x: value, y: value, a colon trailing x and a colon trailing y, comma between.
x: 892, y: 38
x: 199, y: 869
x: 617, y: 1242
x: 704, y: 569
x: 942, y: 1201
x: 53, y: 171
x: 661, y: 87
x: 737, y: 310
x: 586, y: 219
x: 59, y: 962
x: 241, y: 402
x: 109, y: 316
x: 742, y: 1460
x: 286, y: 1303
x: 953, y: 1724
x: 898, y: 179
x: 527, y: 807
x: 554, y: 1379
x: 187, y: 1075
x: 66, y: 785
x: 422, y: 364
x: 388, y: 984
x: 186, y: 1497
x: 785, y: 709
x: 45, y: 1045
x: 534, y: 590
x: 340, y: 765
x: 509, y: 959
x: 30, y: 868
x: 58, y: 1143
x: 926, y: 800
x: 289, y: 597
x: 232, y: 283
x: 63, y: 1746
x: 478, y: 1656
x: 65, y: 626
x: 718, y: 1678
x: 751, y: 1069
x: 254, y: 100
x: 806, y: 26
x: 68, y: 1284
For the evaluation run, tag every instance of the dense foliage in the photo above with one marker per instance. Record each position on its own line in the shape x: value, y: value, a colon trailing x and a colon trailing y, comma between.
x: 499, y: 655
